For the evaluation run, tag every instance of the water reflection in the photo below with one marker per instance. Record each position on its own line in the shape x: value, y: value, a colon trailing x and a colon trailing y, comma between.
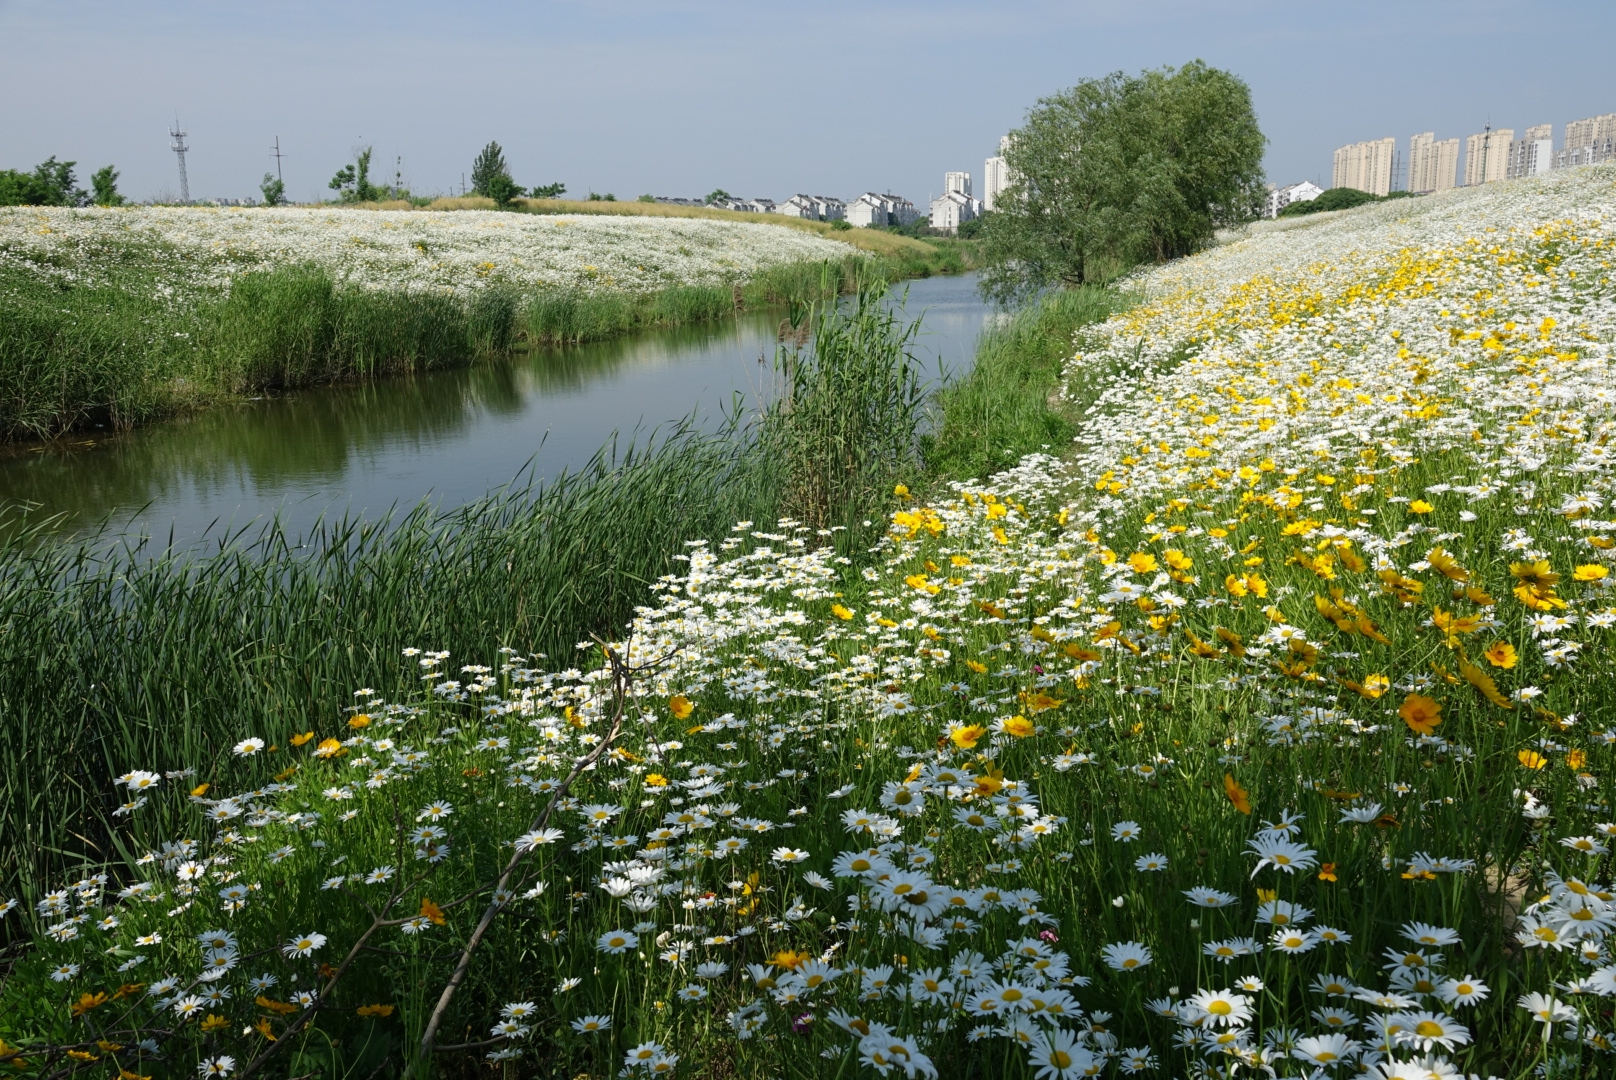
x: 448, y: 436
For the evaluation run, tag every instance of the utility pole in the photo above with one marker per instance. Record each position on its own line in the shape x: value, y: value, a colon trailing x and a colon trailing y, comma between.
x: 278, y: 175
x: 179, y: 148
x: 1486, y: 141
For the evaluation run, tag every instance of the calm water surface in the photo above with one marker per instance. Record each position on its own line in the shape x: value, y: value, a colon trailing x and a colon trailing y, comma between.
x: 446, y: 437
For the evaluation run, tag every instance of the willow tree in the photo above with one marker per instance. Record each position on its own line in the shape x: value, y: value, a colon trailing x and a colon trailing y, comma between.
x: 1122, y: 170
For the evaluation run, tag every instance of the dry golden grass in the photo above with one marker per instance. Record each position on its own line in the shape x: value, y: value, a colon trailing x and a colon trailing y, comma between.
x: 881, y: 243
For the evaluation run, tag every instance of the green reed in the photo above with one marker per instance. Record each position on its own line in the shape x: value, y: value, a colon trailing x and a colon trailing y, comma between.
x: 1002, y: 410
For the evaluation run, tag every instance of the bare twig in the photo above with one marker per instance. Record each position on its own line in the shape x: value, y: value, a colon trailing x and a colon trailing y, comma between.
x: 621, y: 676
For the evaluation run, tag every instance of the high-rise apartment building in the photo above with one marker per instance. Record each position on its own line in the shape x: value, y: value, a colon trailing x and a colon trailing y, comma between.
x: 1487, y: 156
x: 1432, y: 165
x: 1590, y: 131
x: 1532, y: 155
x: 957, y: 181
x: 1588, y: 142
x: 1366, y: 166
x: 995, y: 176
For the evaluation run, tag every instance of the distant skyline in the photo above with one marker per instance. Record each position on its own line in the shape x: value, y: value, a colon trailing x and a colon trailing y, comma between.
x: 683, y: 96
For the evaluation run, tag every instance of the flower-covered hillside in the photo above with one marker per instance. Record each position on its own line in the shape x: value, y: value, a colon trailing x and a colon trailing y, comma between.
x: 459, y: 251
x: 1270, y: 733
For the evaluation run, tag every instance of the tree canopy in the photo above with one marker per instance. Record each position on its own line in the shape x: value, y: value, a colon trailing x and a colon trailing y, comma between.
x: 488, y: 164
x: 1122, y: 170
x: 50, y: 184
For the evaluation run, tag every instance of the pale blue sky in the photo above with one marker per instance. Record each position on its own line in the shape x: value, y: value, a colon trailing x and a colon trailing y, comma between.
x: 679, y: 97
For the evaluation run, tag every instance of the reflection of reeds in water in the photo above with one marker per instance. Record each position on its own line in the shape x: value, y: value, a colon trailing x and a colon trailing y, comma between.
x: 117, y: 353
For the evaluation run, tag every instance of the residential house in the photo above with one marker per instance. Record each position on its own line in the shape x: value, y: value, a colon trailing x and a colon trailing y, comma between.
x: 1281, y: 197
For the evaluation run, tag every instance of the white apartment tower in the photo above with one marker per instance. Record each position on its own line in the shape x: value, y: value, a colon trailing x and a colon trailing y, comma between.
x: 1366, y: 166
x: 995, y: 176
x: 957, y: 182
x: 1532, y: 155
x: 1487, y: 156
x: 1432, y: 165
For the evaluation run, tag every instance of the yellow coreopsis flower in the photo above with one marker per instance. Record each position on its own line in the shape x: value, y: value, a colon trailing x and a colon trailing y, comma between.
x: 1420, y: 713
x: 1590, y: 572
x: 1501, y: 654
x: 968, y: 736
x: 841, y: 612
x: 1420, y: 506
x: 1531, y: 759
x: 1019, y: 726
x: 1142, y: 562
x: 681, y: 707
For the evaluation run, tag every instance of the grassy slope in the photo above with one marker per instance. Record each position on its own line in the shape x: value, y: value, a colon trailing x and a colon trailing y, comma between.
x: 1003, y: 410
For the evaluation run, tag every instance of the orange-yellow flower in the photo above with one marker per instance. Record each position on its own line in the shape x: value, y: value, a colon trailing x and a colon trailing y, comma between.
x: 1420, y: 713
x: 1142, y: 562
x: 431, y: 912
x: 1446, y: 564
x: 1590, y: 572
x: 375, y: 1010
x: 299, y: 740
x: 1327, y: 872
x: 1420, y: 506
x: 1019, y: 726
x: 1501, y: 654
x: 1531, y: 759
x: 968, y: 736
x: 681, y: 707
x: 841, y: 612
x: 789, y: 959
x: 1239, y: 796
x: 359, y: 721
x: 655, y: 780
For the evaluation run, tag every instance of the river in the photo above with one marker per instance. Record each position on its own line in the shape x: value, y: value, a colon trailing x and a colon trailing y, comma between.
x: 446, y: 437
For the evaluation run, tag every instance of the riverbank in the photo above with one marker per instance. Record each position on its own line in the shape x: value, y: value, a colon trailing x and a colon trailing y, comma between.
x: 110, y: 319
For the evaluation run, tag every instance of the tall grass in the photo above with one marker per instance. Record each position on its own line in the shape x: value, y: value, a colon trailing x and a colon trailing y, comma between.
x: 845, y: 423
x: 1003, y: 409
x: 117, y: 655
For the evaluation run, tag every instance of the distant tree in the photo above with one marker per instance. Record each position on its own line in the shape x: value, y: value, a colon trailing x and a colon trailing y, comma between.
x: 1339, y: 198
x: 489, y: 164
x: 717, y: 195
x: 50, y: 184
x: 352, y: 182
x: 502, y: 189
x: 1123, y: 170
x: 104, y: 183
x: 969, y: 230
x: 550, y: 191
x: 608, y: 197
x: 273, y: 189
x: 646, y: 198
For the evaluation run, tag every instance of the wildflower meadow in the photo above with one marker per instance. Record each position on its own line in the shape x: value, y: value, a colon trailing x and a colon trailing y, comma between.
x: 204, y: 248
x: 1266, y: 730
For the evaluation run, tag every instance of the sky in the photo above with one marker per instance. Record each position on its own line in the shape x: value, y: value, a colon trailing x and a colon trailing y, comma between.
x: 679, y: 97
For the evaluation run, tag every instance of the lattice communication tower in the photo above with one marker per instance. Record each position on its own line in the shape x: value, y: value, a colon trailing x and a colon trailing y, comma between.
x: 179, y: 148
